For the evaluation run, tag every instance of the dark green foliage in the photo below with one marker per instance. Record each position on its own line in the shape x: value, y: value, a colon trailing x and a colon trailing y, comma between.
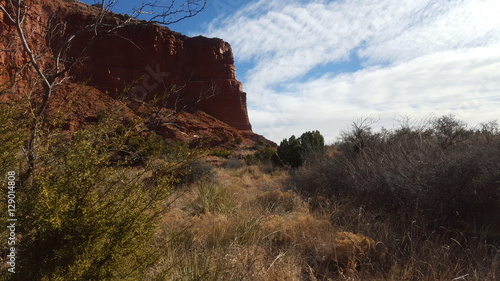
x: 140, y: 149
x: 251, y: 160
x: 433, y: 176
x: 264, y: 154
x: 238, y: 140
x: 289, y: 152
x: 312, y: 142
x: 294, y: 151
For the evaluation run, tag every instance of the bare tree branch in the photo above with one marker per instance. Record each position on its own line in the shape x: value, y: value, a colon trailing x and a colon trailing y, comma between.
x: 168, y: 12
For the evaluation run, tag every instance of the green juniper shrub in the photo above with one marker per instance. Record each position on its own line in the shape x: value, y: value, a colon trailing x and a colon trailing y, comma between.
x: 294, y: 151
x: 289, y: 152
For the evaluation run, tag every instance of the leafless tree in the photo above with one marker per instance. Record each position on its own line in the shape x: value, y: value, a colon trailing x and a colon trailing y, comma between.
x: 167, y: 12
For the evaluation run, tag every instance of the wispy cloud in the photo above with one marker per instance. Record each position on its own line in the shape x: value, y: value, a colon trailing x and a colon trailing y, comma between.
x: 417, y: 57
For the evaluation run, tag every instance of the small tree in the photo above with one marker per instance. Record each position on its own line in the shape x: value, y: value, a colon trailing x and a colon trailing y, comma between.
x: 360, y: 135
x: 289, y: 152
x: 312, y: 142
x: 294, y: 151
x: 450, y: 130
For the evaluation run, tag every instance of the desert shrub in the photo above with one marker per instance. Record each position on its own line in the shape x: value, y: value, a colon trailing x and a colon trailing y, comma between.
x: 233, y: 164
x: 222, y: 153
x: 140, y: 149
x: 268, y: 168
x: 83, y: 217
x: 294, y: 151
x: 489, y: 130
x: 251, y: 159
x: 238, y: 141
x: 449, y: 130
x: 438, y: 175
x: 198, y: 170
x: 264, y: 154
x: 12, y: 134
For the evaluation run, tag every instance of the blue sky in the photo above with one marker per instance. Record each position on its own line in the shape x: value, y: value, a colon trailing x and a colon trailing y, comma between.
x: 319, y: 65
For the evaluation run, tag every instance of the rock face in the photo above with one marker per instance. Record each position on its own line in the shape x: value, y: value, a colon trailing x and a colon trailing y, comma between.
x: 139, y: 62
x: 156, y: 62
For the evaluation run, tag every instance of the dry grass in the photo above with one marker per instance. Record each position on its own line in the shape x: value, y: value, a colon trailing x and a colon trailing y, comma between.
x: 248, y: 228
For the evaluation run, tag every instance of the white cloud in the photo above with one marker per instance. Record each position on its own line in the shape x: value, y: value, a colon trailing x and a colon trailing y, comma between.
x: 464, y: 83
x: 418, y: 57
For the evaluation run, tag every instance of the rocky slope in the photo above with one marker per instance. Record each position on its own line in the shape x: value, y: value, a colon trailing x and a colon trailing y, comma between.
x: 137, y: 64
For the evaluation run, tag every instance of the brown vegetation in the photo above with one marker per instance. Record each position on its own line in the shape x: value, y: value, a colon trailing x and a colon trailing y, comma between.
x: 251, y: 229
x: 430, y: 193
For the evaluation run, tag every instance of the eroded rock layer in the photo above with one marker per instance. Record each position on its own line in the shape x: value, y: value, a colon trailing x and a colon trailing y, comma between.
x: 139, y: 61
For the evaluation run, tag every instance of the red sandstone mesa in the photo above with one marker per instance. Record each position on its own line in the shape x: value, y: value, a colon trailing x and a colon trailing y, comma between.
x: 141, y: 61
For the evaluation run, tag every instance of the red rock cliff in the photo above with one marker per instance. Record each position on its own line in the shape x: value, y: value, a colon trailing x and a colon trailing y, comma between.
x: 141, y: 61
